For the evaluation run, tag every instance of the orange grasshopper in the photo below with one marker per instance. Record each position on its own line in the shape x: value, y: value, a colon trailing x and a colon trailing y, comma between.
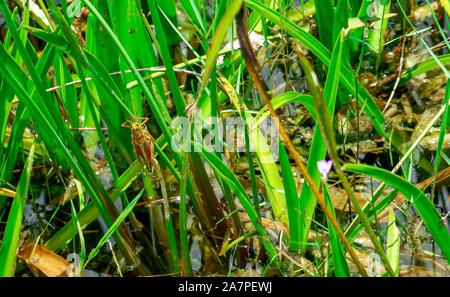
x: 142, y: 140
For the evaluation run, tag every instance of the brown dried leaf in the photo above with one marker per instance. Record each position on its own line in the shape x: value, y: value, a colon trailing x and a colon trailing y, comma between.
x: 46, y: 261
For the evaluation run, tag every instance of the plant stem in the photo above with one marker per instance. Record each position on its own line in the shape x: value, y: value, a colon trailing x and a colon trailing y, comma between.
x: 254, y: 69
x: 326, y: 127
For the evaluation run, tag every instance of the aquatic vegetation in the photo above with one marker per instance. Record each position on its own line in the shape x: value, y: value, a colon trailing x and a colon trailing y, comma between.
x: 224, y: 137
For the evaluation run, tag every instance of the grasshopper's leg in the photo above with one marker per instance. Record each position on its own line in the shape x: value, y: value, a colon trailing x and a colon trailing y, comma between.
x: 124, y: 124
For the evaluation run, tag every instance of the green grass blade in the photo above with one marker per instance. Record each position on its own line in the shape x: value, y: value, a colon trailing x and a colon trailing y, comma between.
x: 21, y: 119
x: 339, y: 260
x: 378, y: 28
x: 13, y: 226
x: 325, y: 21
x: 318, y: 147
x: 168, y: 8
x: 347, y: 78
x: 341, y: 20
x: 77, y: 228
x: 264, y: 156
x: 151, y: 99
x: 164, y: 51
x: 184, y: 243
x: 354, y: 7
x: 393, y: 243
x: 90, y: 212
x: 68, y: 94
x: 328, y: 134
x: 14, y: 143
x: 217, y: 41
x: 124, y: 239
x: 371, y: 211
x: 444, y: 125
x: 425, y: 66
x: 422, y: 204
x: 292, y: 200
x: 114, y: 227
x: 284, y: 99
x: 251, y: 167
x: 192, y: 8
x: 234, y: 184
x: 130, y: 30
x: 49, y: 37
